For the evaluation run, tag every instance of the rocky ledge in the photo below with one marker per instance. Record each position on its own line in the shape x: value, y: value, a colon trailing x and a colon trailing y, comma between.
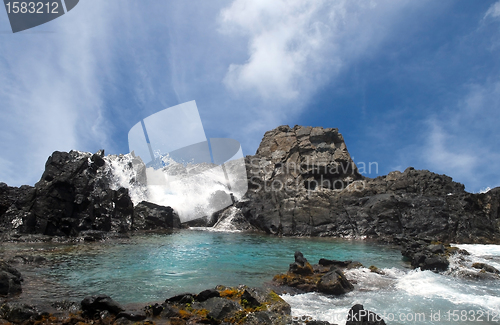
x: 303, y: 182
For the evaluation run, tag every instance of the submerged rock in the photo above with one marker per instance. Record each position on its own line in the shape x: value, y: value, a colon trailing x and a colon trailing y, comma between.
x: 486, y: 268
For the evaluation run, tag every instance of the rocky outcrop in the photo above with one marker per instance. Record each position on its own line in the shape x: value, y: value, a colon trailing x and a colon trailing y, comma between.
x: 75, y: 196
x: 303, y: 182
x: 328, y: 279
x: 428, y: 255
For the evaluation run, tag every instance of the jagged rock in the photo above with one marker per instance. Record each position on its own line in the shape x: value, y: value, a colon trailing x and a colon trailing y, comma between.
x: 75, y: 196
x: 10, y: 280
x: 232, y: 219
x: 426, y: 256
x: 357, y: 315
x: 320, y: 278
x: 334, y: 283
x: 303, y: 182
x: 149, y: 216
x: 301, y: 266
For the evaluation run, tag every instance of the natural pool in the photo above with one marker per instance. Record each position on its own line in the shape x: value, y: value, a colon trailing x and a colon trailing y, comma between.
x: 149, y: 268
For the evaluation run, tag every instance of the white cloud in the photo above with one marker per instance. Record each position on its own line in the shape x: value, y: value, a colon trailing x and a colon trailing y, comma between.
x: 463, y: 142
x: 295, y: 46
x: 493, y: 10
x: 51, y: 90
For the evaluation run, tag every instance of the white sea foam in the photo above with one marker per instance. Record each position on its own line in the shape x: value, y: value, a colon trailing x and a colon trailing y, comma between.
x: 317, y: 307
x: 192, y: 190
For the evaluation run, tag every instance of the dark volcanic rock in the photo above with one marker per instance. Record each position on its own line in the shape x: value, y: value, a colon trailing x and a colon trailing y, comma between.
x: 75, y: 195
x: 303, y: 182
x: 319, y: 278
x: 18, y: 312
x: 10, y: 280
x: 226, y: 305
x: 357, y: 315
x: 152, y: 216
x: 426, y: 256
x: 334, y: 283
x: 94, y: 304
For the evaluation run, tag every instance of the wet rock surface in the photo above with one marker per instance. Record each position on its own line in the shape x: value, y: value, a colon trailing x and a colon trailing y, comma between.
x: 428, y: 255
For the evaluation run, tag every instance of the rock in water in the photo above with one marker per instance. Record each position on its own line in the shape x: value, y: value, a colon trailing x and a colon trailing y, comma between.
x: 357, y: 315
x: 149, y: 216
x: 334, y: 283
x: 309, y: 278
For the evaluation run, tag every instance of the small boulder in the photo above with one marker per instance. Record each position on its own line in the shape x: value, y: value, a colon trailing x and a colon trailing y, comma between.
x: 207, y: 294
x: 94, y: 304
x: 485, y: 267
x: 357, y: 315
x: 334, y: 283
x: 220, y: 308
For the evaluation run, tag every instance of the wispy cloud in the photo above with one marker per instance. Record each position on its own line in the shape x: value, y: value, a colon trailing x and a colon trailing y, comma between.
x: 493, y: 11
x: 51, y: 94
x: 294, y: 48
x: 462, y: 141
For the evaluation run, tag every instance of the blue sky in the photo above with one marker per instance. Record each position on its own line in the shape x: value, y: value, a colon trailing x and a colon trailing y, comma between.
x: 408, y: 83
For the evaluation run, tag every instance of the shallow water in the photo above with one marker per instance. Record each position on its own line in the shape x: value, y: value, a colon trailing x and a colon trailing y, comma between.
x: 148, y: 268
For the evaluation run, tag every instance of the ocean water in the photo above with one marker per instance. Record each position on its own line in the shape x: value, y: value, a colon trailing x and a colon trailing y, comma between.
x: 151, y: 268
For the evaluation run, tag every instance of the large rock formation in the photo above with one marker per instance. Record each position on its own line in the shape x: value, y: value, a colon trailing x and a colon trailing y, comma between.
x: 74, y: 196
x: 303, y: 182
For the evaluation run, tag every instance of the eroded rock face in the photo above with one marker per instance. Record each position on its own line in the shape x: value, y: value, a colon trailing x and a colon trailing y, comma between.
x: 303, y: 182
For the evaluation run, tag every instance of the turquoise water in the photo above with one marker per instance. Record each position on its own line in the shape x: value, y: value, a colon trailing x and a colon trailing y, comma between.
x: 150, y: 268
x: 155, y: 267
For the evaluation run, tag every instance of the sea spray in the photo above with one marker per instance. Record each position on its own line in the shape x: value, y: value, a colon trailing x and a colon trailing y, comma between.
x: 192, y: 190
